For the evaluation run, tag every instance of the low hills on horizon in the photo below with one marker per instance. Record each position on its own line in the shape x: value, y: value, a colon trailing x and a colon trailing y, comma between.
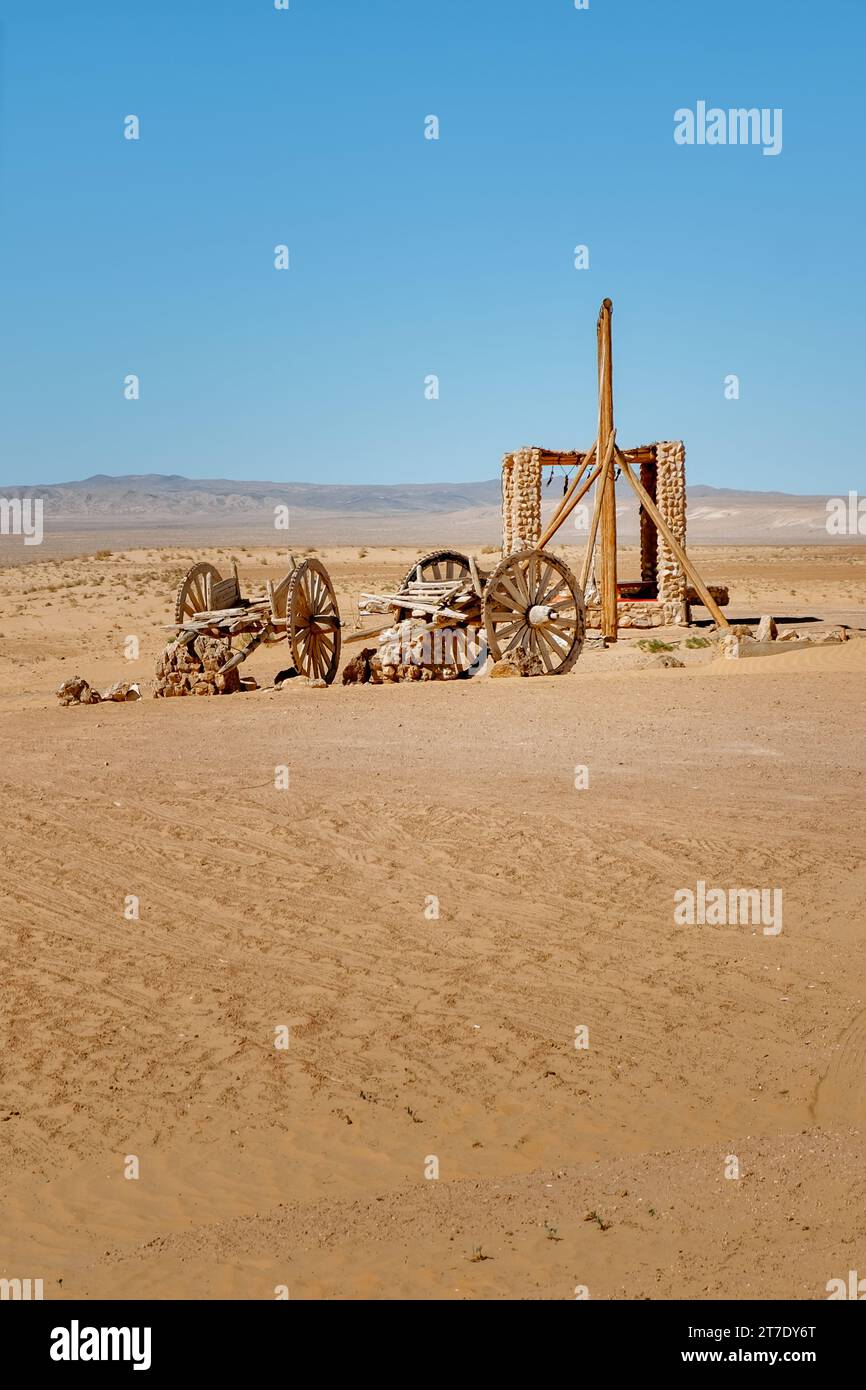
x: 152, y: 509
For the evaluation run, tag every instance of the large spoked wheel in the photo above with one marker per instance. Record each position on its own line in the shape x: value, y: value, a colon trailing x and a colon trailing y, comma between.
x: 313, y: 622
x: 533, y: 601
x: 439, y: 564
x: 192, y: 594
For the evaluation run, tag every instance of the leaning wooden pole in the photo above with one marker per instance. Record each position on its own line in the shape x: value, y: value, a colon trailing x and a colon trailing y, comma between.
x: 567, y: 505
x: 596, y: 513
x: 580, y: 472
x: 679, y: 553
x: 608, y: 496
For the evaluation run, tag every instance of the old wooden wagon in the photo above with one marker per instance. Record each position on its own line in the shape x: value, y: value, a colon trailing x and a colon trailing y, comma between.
x: 301, y: 610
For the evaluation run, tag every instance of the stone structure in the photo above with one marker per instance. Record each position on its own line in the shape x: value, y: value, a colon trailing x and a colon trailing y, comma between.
x: 661, y: 596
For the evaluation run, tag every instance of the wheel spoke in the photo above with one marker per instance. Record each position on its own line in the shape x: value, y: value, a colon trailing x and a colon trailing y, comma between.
x: 512, y: 592
x: 516, y: 640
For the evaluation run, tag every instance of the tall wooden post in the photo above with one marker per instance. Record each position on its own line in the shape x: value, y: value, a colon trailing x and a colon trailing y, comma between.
x: 608, y: 497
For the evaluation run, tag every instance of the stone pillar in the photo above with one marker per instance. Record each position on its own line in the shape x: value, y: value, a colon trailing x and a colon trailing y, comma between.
x: 521, y: 500
x: 648, y: 541
x: 671, y: 502
x: 507, y: 501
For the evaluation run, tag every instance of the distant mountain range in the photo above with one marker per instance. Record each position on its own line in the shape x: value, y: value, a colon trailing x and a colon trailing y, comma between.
x: 150, y: 509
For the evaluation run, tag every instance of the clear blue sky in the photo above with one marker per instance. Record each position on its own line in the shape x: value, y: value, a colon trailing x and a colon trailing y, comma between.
x: 411, y: 257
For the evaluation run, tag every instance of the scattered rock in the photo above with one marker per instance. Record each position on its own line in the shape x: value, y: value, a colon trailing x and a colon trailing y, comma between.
x: 122, y: 690
x: 836, y: 634
x: 316, y: 683
x: 767, y: 630
x: 517, y: 663
x: 731, y: 645
x: 668, y: 662
x: 78, y: 692
x: 357, y: 671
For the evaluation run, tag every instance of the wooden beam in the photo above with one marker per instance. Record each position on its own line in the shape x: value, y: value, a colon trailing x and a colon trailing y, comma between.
x: 706, y: 597
x: 608, y: 497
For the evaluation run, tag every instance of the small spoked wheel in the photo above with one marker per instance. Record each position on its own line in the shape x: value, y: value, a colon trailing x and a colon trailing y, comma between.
x: 313, y: 622
x: 439, y: 564
x: 193, y: 591
x: 533, y: 601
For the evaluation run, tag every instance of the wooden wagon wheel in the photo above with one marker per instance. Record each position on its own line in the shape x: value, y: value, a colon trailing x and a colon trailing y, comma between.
x: 439, y: 564
x: 192, y: 594
x: 533, y: 601
x: 313, y: 622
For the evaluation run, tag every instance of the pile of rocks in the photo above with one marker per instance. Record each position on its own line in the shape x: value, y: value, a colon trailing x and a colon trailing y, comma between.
x: 521, y: 499
x: 80, y: 692
x: 191, y: 666
x: 410, y: 651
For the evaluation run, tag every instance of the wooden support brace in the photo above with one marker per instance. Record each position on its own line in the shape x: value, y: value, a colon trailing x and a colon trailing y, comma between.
x: 560, y: 512
x: 596, y: 511
x: 706, y: 597
x: 564, y: 513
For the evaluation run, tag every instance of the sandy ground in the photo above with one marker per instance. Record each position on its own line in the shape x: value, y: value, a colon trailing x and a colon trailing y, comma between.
x: 413, y: 1037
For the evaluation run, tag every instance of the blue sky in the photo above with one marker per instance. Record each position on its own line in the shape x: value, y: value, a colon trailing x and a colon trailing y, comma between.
x: 412, y: 257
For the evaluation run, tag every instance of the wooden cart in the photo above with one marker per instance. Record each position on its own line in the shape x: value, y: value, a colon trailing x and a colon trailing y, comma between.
x: 531, y: 600
x: 301, y: 610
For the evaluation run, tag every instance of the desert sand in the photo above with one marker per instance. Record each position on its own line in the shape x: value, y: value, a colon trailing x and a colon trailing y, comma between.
x: 411, y: 1036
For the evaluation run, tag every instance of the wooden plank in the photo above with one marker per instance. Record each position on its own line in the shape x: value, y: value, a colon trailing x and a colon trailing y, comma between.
x: 410, y: 601
x: 706, y: 597
x: 241, y: 654
x: 476, y: 581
